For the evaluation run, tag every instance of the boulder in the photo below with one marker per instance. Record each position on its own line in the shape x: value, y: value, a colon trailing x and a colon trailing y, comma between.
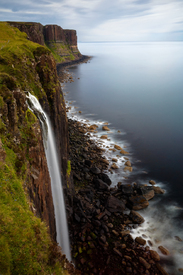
x: 129, y: 169
x: 147, y: 192
x: 161, y: 269
x: 137, y: 202
x: 164, y: 250
x: 117, y: 147
x: 154, y: 255
x: 100, y: 184
x: 152, y: 182
x: 128, y: 163
x: 127, y: 189
x: 105, y: 178
x: 144, y: 263
x: 115, y: 205
x: 93, y: 127
x: 105, y: 128
x: 104, y: 137
x: 95, y: 170
x: 114, y: 166
x: 140, y: 240
x: 136, y: 217
x: 124, y: 152
x: 158, y: 190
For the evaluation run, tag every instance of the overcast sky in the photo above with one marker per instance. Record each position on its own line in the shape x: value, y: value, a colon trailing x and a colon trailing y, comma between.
x: 103, y: 20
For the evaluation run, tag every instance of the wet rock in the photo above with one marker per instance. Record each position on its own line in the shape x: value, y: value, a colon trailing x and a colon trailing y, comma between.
x: 105, y: 128
x: 161, y: 269
x: 127, y: 189
x: 140, y: 240
x: 105, y: 161
x: 115, y: 205
x: 117, y: 252
x: 105, y: 178
x: 128, y: 163
x: 152, y: 182
x: 136, y: 217
x: 147, y: 192
x: 158, y: 190
x: 93, y: 127
x: 124, y: 233
x: 114, y: 166
x: 163, y: 250
x: 104, y: 137
x: 129, y: 169
x: 123, y: 152
x: 100, y: 185
x: 117, y: 147
x: 95, y: 170
x: 154, y: 255
x: 137, y: 202
x: 144, y: 263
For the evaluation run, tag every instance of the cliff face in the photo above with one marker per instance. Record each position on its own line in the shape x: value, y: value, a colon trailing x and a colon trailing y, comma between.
x: 62, y: 43
x: 30, y: 67
x: 34, y: 31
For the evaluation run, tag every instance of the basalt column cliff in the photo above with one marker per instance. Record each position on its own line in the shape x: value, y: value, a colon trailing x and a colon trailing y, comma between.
x: 25, y: 197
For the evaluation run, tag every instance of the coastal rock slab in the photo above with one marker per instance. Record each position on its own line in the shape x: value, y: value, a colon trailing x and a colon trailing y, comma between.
x: 104, y: 137
x: 128, y: 163
x: 124, y: 152
x: 140, y: 240
x: 117, y: 147
x: 152, y: 182
x: 161, y: 269
x: 115, y: 205
x: 127, y: 168
x: 144, y: 263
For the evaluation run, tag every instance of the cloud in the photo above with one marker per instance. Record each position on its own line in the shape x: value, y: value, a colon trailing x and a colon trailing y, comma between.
x: 103, y: 19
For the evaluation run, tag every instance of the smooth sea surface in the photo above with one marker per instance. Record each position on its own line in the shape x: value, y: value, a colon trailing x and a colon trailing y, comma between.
x: 138, y: 88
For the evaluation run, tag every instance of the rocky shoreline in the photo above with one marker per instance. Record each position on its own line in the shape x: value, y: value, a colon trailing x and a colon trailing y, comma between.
x: 103, y: 216
x: 100, y: 230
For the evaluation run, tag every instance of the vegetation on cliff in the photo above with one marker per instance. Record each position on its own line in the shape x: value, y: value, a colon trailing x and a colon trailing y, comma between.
x: 25, y: 244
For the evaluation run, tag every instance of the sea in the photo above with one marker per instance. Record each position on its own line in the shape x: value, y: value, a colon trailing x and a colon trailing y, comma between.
x: 137, y: 88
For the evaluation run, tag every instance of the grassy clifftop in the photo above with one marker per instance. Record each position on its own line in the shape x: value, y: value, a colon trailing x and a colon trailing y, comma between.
x: 25, y: 244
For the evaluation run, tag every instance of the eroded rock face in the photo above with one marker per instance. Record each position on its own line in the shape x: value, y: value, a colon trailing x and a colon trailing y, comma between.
x: 54, y: 33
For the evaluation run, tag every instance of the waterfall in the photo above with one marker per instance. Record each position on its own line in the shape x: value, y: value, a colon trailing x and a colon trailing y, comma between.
x: 53, y: 166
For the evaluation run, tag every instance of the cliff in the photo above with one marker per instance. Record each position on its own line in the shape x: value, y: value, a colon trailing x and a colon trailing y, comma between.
x: 25, y: 246
x: 62, y: 43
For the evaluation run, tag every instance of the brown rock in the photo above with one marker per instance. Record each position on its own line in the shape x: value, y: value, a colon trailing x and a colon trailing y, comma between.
x: 140, y: 240
x: 105, y: 128
x: 149, y: 195
x: 137, y: 202
x: 124, y: 152
x: 158, y: 190
x: 161, y: 269
x: 128, y: 163
x: 130, y: 169
x: 154, y: 255
x: 152, y: 182
x: 117, y: 252
x: 117, y: 147
x: 104, y: 137
x: 136, y: 217
x: 144, y: 263
x: 163, y: 250
x: 114, y: 166
x: 124, y: 233
x: 115, y: 205
x: 92, y: 127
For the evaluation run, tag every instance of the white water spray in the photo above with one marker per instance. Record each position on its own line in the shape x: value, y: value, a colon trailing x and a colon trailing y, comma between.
x: 56, y: 183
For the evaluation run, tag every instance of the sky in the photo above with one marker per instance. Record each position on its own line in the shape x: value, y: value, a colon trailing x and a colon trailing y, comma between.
x: 103, y: 20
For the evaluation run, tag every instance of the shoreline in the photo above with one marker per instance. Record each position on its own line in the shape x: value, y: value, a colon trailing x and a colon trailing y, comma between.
x: 130, y: 190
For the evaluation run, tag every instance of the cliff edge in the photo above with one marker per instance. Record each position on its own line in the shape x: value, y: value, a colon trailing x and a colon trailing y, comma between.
x: 25, y: 197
